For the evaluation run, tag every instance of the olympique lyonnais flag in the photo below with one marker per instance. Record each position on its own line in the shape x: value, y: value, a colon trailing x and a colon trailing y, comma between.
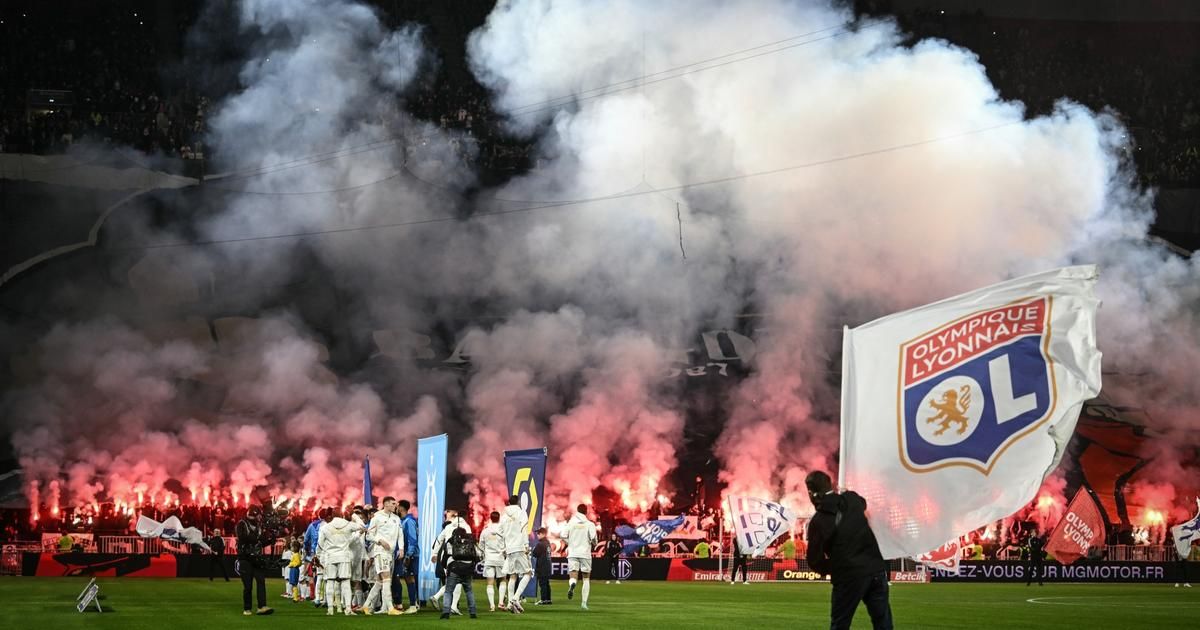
x: 648, y: 533
x: 1081, y: 528
x: 368, y: 499
x: 757, y: 523
x: 954, y: 412
x: 946, y: 557
x: 1187, y: 533
x: 170, y: 529
x: 431, y: 502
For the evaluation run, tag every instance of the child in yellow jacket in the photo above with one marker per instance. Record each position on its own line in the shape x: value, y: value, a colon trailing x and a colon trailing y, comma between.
x: 294, y: 571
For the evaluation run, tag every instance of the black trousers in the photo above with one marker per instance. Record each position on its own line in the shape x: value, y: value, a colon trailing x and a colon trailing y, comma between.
x: 739, y: 562
x: 1034, y: 564
x: 612, y: 568
x: 251, y: 576
x: 544, y: 587
x: 217, y: 560
x: 871, y: 590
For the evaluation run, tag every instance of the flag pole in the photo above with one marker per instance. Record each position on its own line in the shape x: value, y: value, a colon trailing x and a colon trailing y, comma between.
x: 845, y: 403
x: 721, y: 540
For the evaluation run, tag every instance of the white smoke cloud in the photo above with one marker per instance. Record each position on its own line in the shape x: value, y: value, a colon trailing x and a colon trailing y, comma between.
x: 894, y: 175
x: 880, y: 176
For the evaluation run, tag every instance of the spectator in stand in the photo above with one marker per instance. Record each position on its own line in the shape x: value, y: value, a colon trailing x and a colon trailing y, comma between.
x: 702, y: 549
x: 788, y: 549
x: 65, y: 543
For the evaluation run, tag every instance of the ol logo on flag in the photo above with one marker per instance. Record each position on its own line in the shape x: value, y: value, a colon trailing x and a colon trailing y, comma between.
x: 973, y: 387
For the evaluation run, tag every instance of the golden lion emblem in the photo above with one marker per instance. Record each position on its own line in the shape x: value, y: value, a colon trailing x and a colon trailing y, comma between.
x: 952, y: 408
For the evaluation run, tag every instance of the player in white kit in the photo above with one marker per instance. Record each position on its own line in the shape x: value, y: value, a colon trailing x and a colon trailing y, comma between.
x: 386, y: 541
x: 334, y: 543
x: 492, y: 542
x: 581, y: 540
x: 517, y: 568
x: 358, y: 556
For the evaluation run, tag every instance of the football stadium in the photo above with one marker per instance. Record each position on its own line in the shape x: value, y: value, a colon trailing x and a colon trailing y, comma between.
x: 599, y: 313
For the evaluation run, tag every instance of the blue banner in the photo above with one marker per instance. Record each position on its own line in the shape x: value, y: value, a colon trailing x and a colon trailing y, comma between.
x: 431, y: 502
x: 367, y: 498
x: 526, y: 472
x: 649, y: 533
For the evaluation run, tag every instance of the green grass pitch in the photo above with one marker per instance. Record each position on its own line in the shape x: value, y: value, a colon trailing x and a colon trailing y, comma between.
x: 181, y: 604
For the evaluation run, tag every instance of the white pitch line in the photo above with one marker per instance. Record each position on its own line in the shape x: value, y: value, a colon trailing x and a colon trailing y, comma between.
x: 1158, y: 604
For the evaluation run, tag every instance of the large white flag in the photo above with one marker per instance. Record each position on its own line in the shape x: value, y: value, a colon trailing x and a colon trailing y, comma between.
x: 954, y: 412
x: 170, y: 529
x: 757, y: 523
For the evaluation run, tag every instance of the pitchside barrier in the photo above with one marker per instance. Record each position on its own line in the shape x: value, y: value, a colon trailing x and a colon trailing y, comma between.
x: 673, y: 569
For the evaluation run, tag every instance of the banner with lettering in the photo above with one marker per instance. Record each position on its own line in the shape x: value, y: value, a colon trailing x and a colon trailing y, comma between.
x: 1081, y: 528
x: 954, y: 412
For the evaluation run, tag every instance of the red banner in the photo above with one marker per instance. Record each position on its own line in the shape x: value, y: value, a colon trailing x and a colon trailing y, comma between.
x: 105, y: 565
x: 1078, y: 530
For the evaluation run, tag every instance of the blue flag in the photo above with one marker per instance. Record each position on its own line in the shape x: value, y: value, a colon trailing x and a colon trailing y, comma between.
x: 526, y: 472
x: 368, y: 499
x: 431, y: 502
x: 649, y: 533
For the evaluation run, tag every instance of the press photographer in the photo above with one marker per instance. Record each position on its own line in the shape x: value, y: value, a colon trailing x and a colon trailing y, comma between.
x: 253, y: 534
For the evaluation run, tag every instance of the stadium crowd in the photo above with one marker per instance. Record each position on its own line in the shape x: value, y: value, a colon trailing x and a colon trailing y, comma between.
x: 121, y: 70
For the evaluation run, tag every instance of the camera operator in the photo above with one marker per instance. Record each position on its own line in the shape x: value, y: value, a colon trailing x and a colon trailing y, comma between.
x: 252, y: 537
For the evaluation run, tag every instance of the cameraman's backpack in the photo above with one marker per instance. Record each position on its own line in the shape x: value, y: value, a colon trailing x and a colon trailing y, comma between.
x: 462, y: 548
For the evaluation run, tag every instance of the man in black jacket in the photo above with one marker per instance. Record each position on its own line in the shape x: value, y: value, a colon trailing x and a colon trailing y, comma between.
x: 541, y: 567
x: 251, y: 540
x: 460, y: 561
x: 612, y: 553
x: 842, y: 546
x: 217, y: 557
x: 739, y: 562
x: 1034, y: 563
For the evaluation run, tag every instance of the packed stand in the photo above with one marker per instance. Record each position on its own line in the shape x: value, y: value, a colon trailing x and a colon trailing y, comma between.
x: 110, y: 61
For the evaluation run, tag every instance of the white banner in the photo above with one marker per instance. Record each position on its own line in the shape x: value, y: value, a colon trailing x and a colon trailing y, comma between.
x: 757, y: 523
x: 1185, y: 534
x: 170, y: 529
x: 954, y: 412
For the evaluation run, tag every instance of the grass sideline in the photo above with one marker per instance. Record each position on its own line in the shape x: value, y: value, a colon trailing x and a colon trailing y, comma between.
x: 182, y: 604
